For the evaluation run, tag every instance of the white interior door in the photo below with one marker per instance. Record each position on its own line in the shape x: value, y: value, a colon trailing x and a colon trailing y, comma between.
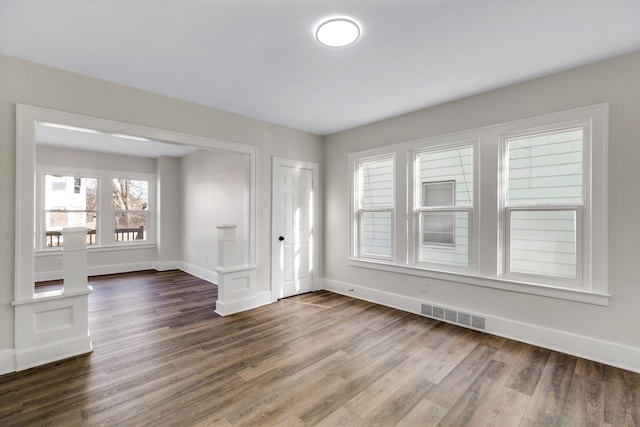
x: 293, y: 225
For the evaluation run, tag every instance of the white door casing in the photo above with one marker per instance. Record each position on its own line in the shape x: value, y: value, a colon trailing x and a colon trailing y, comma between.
x: 294, y: 223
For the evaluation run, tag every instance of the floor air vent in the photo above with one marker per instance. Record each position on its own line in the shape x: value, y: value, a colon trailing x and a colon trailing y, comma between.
x: 453, y: 316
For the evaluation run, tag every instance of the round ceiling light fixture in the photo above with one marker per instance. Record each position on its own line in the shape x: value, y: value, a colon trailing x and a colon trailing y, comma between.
x: 338, y: 32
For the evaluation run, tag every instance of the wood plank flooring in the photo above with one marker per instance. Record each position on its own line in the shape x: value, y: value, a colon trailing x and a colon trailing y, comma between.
x: 162, y: 357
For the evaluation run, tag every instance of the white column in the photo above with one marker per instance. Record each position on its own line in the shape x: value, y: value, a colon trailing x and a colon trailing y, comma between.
x: 74, y: 259
x: 226, y: 245
x: 55, y: 325
x: 236, y: 283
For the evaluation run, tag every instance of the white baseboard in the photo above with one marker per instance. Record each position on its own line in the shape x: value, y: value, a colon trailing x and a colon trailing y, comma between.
x: 168, y: 265
x: 7, y: 361
x: 236, y: 306
x: 263, y: 298
x: 57, y: 351
x: 606, y: 352
x: 45, y: 276
x: 99, y: 270
x: 202, y: 273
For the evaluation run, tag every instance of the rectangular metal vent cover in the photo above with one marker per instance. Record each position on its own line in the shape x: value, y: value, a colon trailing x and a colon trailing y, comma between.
x: 453, y: 316
x: 427, y: 310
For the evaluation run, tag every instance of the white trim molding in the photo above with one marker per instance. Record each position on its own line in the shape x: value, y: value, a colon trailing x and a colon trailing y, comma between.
x: 100, y: 270
x: 7, y: 361
x: 607, y: 352
x: 199, y: 272
x: 51, y: 327
x: 236, y: 290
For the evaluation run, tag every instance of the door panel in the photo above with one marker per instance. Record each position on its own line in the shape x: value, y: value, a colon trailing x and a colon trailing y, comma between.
x: 293, y: 221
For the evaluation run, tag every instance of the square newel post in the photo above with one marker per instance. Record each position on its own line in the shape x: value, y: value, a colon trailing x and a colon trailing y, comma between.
x: 236, y: 283
x: 74, y: 259
x: 226, y: 245
x: 54, y: 325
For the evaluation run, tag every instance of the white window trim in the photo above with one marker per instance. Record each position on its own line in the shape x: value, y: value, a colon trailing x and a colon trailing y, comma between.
x: 105, y: 211
x: 487, y: 267
x: 357, y: 210
x: 151, y: 213
x: 432, y: 145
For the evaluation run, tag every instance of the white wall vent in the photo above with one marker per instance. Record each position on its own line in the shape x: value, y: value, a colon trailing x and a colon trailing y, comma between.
x: 427, y: 310
x: 452, y: 316
x: 478, y: 322
x: 464, y: 319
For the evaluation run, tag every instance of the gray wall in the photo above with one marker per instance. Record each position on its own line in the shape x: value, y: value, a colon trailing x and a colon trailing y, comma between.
x: 214, y: 192
x: 616, y: 81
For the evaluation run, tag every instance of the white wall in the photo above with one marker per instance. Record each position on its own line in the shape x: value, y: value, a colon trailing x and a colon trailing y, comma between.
x: 33, y: 84
x: 215, y: 191
x: 616, y: 81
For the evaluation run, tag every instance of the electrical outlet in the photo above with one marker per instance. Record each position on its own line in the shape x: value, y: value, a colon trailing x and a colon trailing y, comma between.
x: 58, y: 260
x: 424, y: 287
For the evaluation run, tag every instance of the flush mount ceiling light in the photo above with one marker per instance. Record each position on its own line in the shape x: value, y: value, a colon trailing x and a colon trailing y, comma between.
x: 338, y: 32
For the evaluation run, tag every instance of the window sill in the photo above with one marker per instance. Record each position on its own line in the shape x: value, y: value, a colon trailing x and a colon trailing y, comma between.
x: 96, y: 249
x: 494, y: 283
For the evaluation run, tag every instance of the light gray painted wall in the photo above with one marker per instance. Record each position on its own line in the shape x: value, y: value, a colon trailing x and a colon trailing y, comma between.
x: 169, y: 219
x: 33, y: 84
x: 58, y: 156
x: 616, y: 81
x: 214, y: 192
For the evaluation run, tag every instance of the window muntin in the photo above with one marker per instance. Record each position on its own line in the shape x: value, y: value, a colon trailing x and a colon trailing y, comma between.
x: 69, y: 201
x: 130, y: 206
x: 444, y: 190
x: 544, y: 203
x: 376, y: 204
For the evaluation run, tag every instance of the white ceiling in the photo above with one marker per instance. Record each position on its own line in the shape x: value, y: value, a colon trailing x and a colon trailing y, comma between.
x: 259, y: 58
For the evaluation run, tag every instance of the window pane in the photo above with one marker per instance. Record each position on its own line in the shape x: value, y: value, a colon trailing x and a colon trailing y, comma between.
x: 375, y: 234
x: 444, y: 238
x: 130, y: 226
x: 438, y: 228
x: 70, y: 193
x: 444, y: 171
x: 56, y: 220
x: 69, y: 202
x: 130, y: 194
x: 438, y: 193
x: 376, y: 183
x: 543, y: 242
x: 546, y: 168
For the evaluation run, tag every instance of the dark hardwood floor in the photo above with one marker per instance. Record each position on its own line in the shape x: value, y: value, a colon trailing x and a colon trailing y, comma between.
x: 162, y: 357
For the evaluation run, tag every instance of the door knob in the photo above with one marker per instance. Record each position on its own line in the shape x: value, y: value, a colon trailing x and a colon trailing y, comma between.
x: 281, y: 238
